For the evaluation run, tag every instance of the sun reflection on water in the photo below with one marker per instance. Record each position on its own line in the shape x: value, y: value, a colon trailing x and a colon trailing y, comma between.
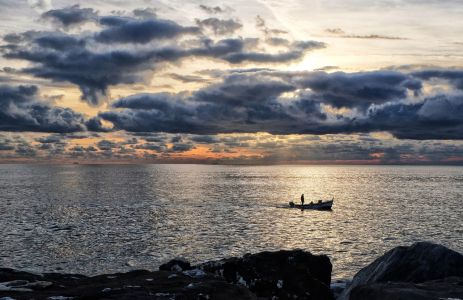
x: 95, y: 219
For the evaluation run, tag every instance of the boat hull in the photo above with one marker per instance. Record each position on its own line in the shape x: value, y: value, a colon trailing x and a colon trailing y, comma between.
x: 326, y: 205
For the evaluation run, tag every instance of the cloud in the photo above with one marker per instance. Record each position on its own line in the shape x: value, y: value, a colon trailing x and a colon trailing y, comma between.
x: 187, y: 78
x: 234, y: 51
x: 454, y: 76
x: 439, y: 117
x: 62, y: 57
x: 128, y: 30
x: 139, y: 46
x: 21, y: 111
x: 51, y: 139
x: 360, y: 89
x: 341, y: 34
x: 327, y: 68
x: 40, y: 4
x: 218, y: 26
x: 25, y: 149
x: 261, y: 24
x: 335, y: 31
x: 265, y: 101
x: 205, y: 139
x: 373, y: 37
x: 213, y: 9
x: 6, y: 144
x: 239, y: 104
x: 181, y: 147
x: 106, y: 145
x: 145, y: 13
x: 297, y: 103
x: 71, y: 16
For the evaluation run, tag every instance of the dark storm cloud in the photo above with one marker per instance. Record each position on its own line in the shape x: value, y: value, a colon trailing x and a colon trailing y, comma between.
x: 95, y: 124
x: 92, y: 71
x: 129, y: 49
x: 71, y: 15
x: 233, y: 50
x: 128, y: 30
x: 12, y: 38
x: 57, y: 41
x: 140, y: 45
x: 145, y: 13
x: 361, y: 89
x: 218, y: 26
x: 438, y: 117
x: 21, y: 111
x: 239, y: 104
x: 453, y: 76
x: 259, y: 103
x: 242, y: 91
x: 153, y: 112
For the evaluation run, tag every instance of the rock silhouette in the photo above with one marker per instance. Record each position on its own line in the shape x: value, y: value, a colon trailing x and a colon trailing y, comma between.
x: 405, y: 272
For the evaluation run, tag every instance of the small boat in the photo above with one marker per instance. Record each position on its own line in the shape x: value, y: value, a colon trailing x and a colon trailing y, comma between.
x: 320, y: 205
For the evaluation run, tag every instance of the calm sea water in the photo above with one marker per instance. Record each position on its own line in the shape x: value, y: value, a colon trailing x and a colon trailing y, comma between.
x: 94, y: 219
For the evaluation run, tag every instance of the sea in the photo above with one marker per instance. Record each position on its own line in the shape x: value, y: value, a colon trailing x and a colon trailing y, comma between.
x: 94, y: 219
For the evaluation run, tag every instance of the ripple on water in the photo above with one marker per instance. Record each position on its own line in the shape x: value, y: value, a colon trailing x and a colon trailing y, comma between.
x: 98, y: 219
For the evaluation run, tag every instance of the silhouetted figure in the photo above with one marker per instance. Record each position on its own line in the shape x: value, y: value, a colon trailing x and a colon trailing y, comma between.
x: 302, y: 199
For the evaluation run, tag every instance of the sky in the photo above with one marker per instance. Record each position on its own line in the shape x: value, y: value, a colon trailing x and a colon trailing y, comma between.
x: 232, y: 82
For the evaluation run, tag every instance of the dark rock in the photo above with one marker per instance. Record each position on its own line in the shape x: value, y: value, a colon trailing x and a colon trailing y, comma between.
x: 447, y: 288
x: 338, y: 287
x: 176, y: 265
x: 267, y: 275
x: 419, y: 263
x: 283, y: 274
x: 131, y: 285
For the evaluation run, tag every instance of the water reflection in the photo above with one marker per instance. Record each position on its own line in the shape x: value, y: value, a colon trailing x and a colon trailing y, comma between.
x: 94, y: 219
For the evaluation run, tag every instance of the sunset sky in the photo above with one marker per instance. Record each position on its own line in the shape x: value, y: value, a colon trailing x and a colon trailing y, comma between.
x: 253, y: 82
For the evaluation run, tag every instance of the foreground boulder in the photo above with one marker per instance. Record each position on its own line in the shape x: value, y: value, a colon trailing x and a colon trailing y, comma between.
x: 447, y: 288
x: 283, y: 274
x: 177, y: 264
x: 267, y: 275
x: 406, y: 272
x: 161, y: 285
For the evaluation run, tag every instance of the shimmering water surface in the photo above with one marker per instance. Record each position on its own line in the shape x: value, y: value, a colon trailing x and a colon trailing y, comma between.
x: 94, y: 219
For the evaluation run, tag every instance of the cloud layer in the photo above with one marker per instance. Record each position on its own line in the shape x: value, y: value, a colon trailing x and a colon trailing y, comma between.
x: 21, y: 111
x: 231, y: 93
x: 128, y: 49
x: 298, y: 103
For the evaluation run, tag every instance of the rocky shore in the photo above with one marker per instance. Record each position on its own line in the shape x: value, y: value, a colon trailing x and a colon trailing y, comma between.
x: 420, y: 271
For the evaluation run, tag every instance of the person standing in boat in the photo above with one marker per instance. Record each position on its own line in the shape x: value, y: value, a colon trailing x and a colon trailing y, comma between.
x: 302, y: 199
